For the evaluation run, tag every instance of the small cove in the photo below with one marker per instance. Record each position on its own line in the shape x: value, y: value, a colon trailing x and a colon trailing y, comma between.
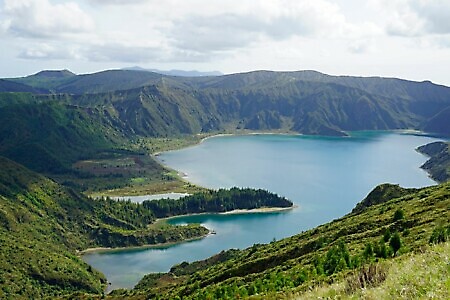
x: 324, y: 176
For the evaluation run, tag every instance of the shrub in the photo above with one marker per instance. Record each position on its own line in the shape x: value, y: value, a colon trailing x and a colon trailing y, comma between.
x: 337, y: 258
x: 399, y: 215
x: 395, y: 242
x: 380, y: 250
x: 368, y: 251
x: 386, y: 235
x: 440, y: 235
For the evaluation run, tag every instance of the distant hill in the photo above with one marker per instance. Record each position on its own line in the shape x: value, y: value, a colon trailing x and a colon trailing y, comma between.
x: 82, y: 115
x: 12, y: 86
x: 54, y: 73
x: 181, y: 73
x: 439, y: 123
x: 308, y: 102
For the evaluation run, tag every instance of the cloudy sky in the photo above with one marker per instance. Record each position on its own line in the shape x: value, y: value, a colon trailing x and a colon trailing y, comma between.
x: 396, y: 38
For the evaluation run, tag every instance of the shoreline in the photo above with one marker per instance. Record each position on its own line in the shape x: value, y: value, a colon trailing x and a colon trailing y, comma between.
x: 293, y: 133
x: 146, y: 246
x: 185, y: 177
x: 260, y: 210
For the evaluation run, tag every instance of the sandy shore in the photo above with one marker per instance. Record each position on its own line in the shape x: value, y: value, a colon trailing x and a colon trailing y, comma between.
x: 249, y: 133
x: 258, y: 210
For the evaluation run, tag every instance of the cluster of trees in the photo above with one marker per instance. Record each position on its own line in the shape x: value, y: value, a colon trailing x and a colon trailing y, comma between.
x: 380, y: 249
x: 123, y: 214
x: 217, y: 201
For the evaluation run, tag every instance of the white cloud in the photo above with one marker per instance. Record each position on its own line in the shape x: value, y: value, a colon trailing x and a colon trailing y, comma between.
x: 434, y: 13
x: 361, y: 46
x: 120, y: 52
x: 138, y: 54
x: 277, y: 20
x: 117, y: 2
x: 359, y: 37
x: 416, y: 17
x: 42, y: 19
x: 45, y: 51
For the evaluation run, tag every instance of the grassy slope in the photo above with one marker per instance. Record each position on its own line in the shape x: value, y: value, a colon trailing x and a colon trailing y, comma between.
x: 287, y: 266
x: 43, y: 224
x: 421, y: 275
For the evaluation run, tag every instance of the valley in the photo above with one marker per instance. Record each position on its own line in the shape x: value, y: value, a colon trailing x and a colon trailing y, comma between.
x: 66, y: 139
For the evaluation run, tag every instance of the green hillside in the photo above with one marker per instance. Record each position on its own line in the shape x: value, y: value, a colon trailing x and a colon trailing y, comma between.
x: 306, y: 101
x: 402, y: 221
x: 43, y: 225
x: 48, y: 136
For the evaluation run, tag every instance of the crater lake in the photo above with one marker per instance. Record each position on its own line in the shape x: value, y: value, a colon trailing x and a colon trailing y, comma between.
x: 324, y: 176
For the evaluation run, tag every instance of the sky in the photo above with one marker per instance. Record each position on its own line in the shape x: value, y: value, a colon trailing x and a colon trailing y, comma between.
x: 407, y: 39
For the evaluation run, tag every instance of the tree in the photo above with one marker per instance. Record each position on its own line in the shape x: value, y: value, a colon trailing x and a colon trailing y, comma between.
x: 386, y: 235
x: 395, y: 242
x: 368, y: 251
x: 380, y: 250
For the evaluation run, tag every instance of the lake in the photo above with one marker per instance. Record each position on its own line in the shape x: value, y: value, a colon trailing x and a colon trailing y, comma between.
x: 142, y: 198
x: 324, y: 176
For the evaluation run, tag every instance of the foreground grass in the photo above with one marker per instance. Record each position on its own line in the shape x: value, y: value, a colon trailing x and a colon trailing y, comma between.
x: 420, y: 275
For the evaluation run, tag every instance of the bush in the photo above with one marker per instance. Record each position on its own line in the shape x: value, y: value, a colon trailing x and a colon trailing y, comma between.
x: 386, y: 235
x: 337, y: 259
x: 440, y: 235
x: 395, y: 242
x: 368, y: 251
x: 380, y: 250
x: 399, y: 215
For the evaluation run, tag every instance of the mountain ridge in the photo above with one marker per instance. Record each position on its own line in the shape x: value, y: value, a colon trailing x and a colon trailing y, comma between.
x: 116, y: 106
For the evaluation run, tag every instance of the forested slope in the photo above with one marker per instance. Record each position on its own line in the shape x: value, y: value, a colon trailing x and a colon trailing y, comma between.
x: 42, y: 224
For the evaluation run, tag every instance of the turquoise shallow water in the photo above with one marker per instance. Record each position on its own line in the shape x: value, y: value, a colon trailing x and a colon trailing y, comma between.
x: 324, y: 176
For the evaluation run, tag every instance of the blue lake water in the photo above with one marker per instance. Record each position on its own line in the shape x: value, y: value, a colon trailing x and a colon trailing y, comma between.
x: 324, y: 176
x: 142, y: 198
